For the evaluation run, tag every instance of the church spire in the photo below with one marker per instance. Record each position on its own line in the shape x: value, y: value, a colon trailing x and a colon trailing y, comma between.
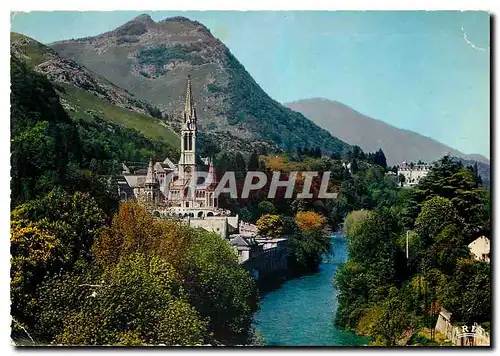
x: 211, y: 173
x: 149, y: 176
x: 189, y: 112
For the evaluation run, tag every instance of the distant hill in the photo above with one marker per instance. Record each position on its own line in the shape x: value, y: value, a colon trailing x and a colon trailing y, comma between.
x: 370, y: 134
x: 152, y: 60
x: 483, y: 169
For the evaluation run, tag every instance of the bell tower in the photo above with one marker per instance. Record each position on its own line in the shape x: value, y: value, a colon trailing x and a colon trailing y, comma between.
x: 187, y: 161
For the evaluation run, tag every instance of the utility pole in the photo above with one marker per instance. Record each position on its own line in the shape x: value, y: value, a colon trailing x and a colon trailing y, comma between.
x: 407, y: 249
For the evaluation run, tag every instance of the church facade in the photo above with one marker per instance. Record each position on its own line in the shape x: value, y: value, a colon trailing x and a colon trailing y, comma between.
x: 168, y: 188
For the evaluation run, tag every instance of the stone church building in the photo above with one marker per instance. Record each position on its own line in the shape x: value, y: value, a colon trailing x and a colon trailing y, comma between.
x: 165, y: 186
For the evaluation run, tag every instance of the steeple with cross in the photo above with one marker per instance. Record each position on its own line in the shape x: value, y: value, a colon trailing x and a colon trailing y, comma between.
x: 187, y: 161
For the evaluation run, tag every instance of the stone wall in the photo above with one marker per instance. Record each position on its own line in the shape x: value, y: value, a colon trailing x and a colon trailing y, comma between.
x: 215, y: 224
x: 461, y: 336
x: 270, y: 261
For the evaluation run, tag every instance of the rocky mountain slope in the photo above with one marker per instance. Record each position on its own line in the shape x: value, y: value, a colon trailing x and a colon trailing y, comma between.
x: 152, y: 60
x: 370, y: 134
x: 86, y: 95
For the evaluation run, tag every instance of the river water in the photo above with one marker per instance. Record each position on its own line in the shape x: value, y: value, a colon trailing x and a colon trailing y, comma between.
x: 301, y: 311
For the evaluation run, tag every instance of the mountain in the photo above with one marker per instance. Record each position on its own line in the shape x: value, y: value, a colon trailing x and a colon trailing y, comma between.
x: 70, y: 126
x: 85, y: 95
x: 152, y: 61
x: 370, y: 134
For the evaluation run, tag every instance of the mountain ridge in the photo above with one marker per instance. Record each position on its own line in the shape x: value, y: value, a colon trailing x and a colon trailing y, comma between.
x: 152, y: 60
x: 371, y: 134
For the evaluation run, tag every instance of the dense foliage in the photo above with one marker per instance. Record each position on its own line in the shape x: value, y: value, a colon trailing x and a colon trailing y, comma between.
x: 303, y: 221
x: 84, y: 272
x: 50, y: 149
x: 388, y: 297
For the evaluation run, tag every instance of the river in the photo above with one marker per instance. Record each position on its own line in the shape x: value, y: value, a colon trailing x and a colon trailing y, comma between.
x: 301, y: 311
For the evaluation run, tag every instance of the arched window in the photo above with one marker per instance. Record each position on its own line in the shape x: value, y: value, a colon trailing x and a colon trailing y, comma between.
x: 190, y: 141
x: 200, y: 214
x: 185, y: 142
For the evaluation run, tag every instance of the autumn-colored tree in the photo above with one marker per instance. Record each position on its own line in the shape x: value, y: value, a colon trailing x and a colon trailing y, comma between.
x: 276, y: 163
x: 309, y: 221
x: 203, y: 263
x: 270, y: 225
x: 49, y: 235
x: 34, y: 250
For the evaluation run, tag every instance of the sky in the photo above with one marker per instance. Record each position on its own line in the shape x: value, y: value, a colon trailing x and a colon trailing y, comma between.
x: 424, y: 71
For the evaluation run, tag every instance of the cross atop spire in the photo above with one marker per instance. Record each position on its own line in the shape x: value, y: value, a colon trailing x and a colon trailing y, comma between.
x: 189, y: 111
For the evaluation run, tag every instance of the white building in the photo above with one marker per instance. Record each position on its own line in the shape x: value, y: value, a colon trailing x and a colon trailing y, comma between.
x: 413, y: 173
x: 480, y: 249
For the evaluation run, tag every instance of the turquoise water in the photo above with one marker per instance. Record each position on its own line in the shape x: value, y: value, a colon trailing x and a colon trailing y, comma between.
x: 301, y: 311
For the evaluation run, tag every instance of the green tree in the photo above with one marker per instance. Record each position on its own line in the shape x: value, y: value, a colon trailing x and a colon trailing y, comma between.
x: 266, y: 207
x: 395, y: 319
x: 136, y: 302
x: 205, y: 265
x: 436, y: 213
x: 48, y: 235
x: 380, y: 159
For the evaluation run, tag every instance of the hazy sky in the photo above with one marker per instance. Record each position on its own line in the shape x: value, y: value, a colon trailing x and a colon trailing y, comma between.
x: 423, y: 71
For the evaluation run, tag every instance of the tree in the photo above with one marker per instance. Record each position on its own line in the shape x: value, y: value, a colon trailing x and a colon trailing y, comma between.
x: 354, y: 166
x: 310, y: 221
x: 436, y: 213
x: 43, y: 137
x: 356, y: 153
x: 353, y: 222
x: 380, y: 159
x: 245, y: 214
x: 270, y: 225
x: 240, y: 167
x: 401, y: 179
x: 317, y: 152
x: 48, y: 235
x: 136, y: 302
x: 448, y: 179
x: 266, y: 207
x: 471, y: 288
x: 205, y: 265
x: 396, y: 318
x: 335, y: 156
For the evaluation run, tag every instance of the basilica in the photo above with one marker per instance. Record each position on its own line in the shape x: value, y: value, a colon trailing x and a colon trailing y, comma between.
x: 167, y: 190
x: 165, y: 186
